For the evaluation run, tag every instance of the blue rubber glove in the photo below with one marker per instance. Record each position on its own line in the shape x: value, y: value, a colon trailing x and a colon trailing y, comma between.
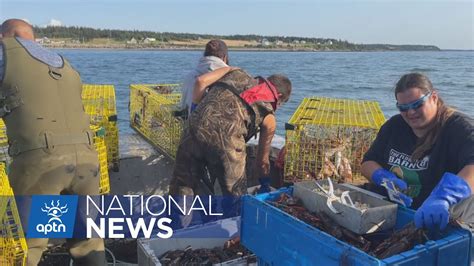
x: 380, y: 175
x: 264, y: 185
x: 435, y: 210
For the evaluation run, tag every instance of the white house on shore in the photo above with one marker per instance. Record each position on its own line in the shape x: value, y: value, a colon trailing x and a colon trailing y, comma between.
x: 132, y: 41
x: 43, y: 40
x: 149, y: 40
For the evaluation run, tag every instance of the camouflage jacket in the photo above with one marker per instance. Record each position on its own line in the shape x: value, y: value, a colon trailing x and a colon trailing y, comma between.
x: 221, y: 113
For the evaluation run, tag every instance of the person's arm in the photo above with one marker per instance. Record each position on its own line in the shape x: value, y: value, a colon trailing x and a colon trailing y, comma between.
x: 267, y: 131
x: 206, y: 80
x: 464, y: 150
x: 375, y: 153
x: 368, y: 168
x: 453, y: 187
x: 467, y: 173
x: 373, y: 170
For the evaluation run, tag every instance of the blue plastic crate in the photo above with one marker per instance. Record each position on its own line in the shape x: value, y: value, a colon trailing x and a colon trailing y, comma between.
x: 209, y: 235
x: 280, y: 239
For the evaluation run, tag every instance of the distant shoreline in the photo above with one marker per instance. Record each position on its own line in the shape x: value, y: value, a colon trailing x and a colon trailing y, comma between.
x: 77, y: 37
x: 239, y: 49
x: 184, y: 48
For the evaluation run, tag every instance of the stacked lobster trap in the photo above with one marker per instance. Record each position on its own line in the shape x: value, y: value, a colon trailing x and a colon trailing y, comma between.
x: 13, y: 247
x: 4, y: 157
x: 101, y: 148
x: 153, y: 114
x: 12, y: 239
x: 328, y: 137
x: 99, y: 104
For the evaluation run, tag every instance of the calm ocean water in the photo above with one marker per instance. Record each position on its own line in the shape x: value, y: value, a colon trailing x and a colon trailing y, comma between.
x: 357, y: 75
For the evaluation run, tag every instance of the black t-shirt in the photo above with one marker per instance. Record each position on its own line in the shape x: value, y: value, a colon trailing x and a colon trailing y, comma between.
x: 453, y: 150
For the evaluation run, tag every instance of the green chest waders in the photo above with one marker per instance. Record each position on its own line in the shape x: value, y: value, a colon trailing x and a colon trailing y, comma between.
x: 49, y: 139
x: 41, y: 105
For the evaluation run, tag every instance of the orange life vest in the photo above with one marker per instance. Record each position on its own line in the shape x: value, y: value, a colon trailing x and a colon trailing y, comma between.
x: 263, y: 92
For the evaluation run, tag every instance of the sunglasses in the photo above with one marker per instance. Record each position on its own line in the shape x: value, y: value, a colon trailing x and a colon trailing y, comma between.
x: 414, y: 105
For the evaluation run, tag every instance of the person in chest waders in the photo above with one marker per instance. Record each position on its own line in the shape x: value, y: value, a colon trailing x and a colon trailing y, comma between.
x: 234, y: 109
x: 48, y: 131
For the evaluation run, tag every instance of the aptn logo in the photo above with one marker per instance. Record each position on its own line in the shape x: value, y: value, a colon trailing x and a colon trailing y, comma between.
x: 55, y: 224
x: 52, y: 216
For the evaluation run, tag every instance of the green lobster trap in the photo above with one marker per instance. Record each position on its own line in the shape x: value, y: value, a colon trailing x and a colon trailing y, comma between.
x: 152, y: 114
x: 99, y: 104
x: 328, y: 137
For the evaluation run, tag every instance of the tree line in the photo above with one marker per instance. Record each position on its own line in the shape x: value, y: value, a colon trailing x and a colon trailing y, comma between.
x: 85, y: 34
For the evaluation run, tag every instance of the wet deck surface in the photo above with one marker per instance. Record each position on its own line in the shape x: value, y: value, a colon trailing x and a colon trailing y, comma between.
x: 143, y: 170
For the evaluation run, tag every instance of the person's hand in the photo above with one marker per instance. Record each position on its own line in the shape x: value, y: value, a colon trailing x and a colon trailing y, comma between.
x: 232, y: 68
x: 263, y: 167
x: 280, y: 161
x: 381, y: 176
x: 264, y: 185
x: 434, y: 212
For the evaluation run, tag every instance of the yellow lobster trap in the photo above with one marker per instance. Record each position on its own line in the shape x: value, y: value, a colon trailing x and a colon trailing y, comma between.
x: 13, y: 247
x: 328, y: 137
x: 4, y: 157
x: 100, y: 146
x: 152, y: 114
x: 99, y: 104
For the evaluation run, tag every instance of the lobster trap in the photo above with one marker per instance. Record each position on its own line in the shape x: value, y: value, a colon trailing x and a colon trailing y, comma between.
x: 100, y: 147
x: 152, y: 114
x: 99, y: 104
x: 328, y: 137
x: 13, y: 248
x: 4, y: 157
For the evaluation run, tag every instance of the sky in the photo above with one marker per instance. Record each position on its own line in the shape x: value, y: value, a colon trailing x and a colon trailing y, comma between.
x: 448, y: 24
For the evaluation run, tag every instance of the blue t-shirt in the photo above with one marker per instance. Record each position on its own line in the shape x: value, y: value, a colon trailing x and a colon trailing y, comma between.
x: 37, y: 51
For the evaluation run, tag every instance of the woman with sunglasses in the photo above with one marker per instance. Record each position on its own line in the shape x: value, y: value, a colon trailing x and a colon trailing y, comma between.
x: 427, y: 152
